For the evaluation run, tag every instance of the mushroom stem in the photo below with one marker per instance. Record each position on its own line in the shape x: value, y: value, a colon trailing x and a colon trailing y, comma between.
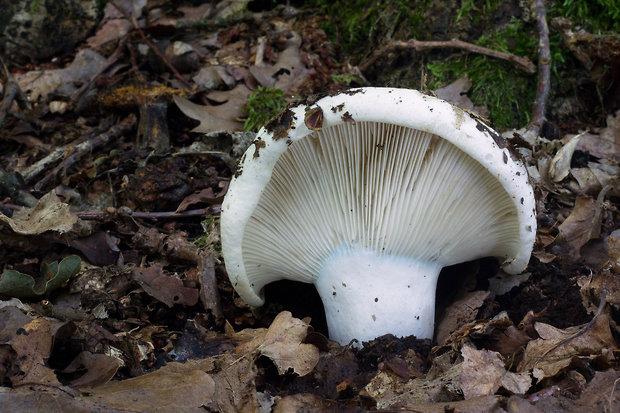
x: 366, y: 294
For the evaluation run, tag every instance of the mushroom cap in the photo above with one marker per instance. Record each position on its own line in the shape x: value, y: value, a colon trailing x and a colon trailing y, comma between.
x: 392, y: 171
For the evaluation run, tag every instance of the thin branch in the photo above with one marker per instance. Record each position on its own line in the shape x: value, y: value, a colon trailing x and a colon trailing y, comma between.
x: 11, y: 93
x: 150, y: 44
x: 544, y: 67
x: 522, y: 63
x: 87, y: 147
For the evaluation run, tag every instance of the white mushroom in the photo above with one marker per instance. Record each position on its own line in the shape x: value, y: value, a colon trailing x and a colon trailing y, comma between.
x: 368, y: 194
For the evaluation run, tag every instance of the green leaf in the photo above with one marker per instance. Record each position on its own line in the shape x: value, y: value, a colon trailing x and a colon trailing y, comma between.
x: 53, y: 275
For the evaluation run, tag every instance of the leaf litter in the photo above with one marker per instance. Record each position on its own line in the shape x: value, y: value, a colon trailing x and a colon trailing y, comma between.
x: 145, y: 320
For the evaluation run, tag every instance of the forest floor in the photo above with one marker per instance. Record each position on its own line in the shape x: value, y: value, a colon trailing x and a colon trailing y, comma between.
x: 115, y: 157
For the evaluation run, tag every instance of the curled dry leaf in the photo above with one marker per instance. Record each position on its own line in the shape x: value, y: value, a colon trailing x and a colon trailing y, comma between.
x: 49, y: 214
x: 460, y: 313
x: 283, y: 344
x: 483, y: 373
x: 583, y: 224
x: 560, y: 164
x: 99, y: 369
x: 556, y: 348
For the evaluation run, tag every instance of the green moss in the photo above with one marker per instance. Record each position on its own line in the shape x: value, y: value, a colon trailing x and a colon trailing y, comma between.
x: 596, y: 15
x: 263, y: 104
x: 354, y: 22
x: 211, y: 238
x: 506, y: 91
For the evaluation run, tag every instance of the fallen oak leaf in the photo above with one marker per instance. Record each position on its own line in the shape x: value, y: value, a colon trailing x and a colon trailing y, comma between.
x: 174, y: 387
x: 556, y: 348
x: 484, y: 372
x: 217, y: 117
x: 49, y: 214
x: 167, y: 289
x: 283, y: 344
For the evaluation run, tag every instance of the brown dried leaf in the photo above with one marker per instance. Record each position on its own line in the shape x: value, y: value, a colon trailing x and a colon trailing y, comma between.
x: 99, y: 369
x: 583, y: 224
x: 483, y: 373
x: 235, y: 386
x: 218, y: 117
x: 556, y: 348
x: 33, y: 345
x: 283, y: 344
x: 560, y: 164
x: 11, y: 320
x: 49, y: 214
x: 167, y: 289
x: 98, y: 247
x: 174, y: 387
x: 607, y: 143
x: 390, y: 391
x: 460, y: 313
x: 304, y: 402
x: 601, y: 394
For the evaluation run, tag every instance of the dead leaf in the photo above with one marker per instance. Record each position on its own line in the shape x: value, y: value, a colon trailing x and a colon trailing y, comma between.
x: 583, y: 224
x: 217, y: 117
x: 283, y: 344
x: 11, y: 320
x: 287, y: 74
x: 33, y: 345
x: 601, y: 394
x: 456, y: 93
x: 99, y: 369
x: 484, y: 372
x: 166, y: 288
x: 460, y: 313
x: 205, y: 196
x: 42, y: 83
x: 556, y: 348
x: 304, y: 402
x: 235, y: 385
x: 174, y: 387
x: 605, y: 145
x: 99, y: 248
x: 560, y: 164
x: 390, y: 391
x: 49, y: 214
x: 504, y: 282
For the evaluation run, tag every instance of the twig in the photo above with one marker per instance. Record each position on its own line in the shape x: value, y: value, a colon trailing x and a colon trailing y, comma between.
x: 150, y: 44
x: 11, y: 92
x: 522, y: 63
x: 111, y: 213
x: 87, y: 147
x: 33, y: 171
x: 544, y: 67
